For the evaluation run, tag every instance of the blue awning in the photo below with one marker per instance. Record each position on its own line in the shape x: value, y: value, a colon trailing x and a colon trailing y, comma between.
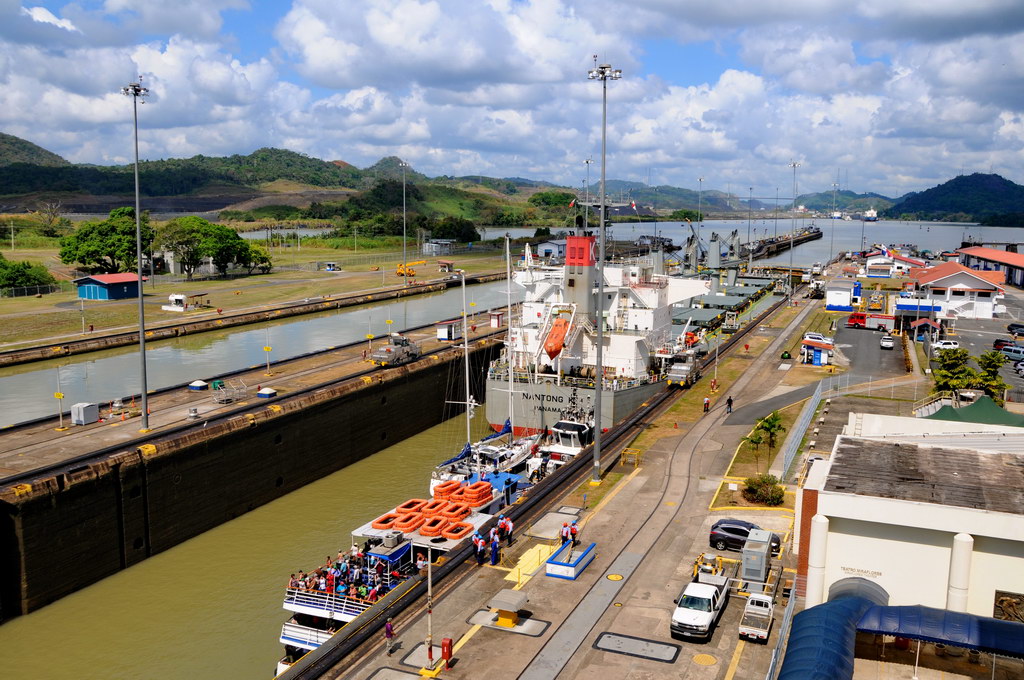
x: 505, y: 429
x: 958, y: 629
x: 395, y: 556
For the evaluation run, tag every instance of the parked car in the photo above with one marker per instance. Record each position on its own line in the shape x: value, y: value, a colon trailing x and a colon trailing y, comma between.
x: 1013, y: 353
x: 1015, y: 329
x: 887, y: 342
x: 1004, y: 342
x: 818, y: 337
x: 945, y: 344
x: 731, y: 534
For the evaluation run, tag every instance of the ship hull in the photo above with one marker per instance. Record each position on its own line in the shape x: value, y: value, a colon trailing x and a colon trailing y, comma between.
x: 538, y: 406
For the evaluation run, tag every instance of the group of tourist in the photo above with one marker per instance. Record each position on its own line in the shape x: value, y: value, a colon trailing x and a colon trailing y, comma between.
x: 353, y: 574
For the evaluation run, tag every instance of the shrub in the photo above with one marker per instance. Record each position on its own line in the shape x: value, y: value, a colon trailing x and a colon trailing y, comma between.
x: 764, y: 489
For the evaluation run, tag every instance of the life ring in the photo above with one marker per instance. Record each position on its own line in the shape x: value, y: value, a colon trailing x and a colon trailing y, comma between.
x: 409, y: 522
x: 385, y: 521
x: 445, y: 489
x: 411, y: 505
x: 456, y: 511
x: 434, y: 507
x: 478, y: 502
x: 457, y: 530
x: 433, y: 526
x: 478, y: 489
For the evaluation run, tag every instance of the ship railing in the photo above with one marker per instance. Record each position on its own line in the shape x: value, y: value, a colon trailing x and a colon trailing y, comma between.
x: 331, y: 602
x: 296, y: 635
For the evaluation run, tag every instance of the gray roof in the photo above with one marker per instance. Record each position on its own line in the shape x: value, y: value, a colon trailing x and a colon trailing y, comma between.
x: 945, y: 476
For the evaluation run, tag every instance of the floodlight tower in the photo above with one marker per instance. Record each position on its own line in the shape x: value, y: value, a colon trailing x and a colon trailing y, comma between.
x: 604, y: 73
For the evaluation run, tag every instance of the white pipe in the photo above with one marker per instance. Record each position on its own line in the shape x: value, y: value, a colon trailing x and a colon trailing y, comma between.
x: 816, y: 561
x: 959, y: 572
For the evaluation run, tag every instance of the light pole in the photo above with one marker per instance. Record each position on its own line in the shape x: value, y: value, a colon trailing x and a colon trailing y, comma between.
x: 135, y: 90
x: 604, y: 73
x: 776, y: 212
x: 405, y: 257
x: 792, y: 231
x: 700, y: 196
x: 750, y: 245
x: 833, y: 240
x: 586, y: 201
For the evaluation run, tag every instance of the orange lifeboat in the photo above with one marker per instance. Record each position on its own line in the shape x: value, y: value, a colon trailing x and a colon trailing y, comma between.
x: 457, y: 530
x: 433, y: 526
x: 434, y: 507
x: 409, y: 522
x: 556, y: 338
x: 456, y: 511
x: 385, y: 521
x: 411, y: 505
x: 445, y: 489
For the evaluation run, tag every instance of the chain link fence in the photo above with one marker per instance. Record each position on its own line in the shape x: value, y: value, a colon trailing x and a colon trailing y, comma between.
x: 31, y: 291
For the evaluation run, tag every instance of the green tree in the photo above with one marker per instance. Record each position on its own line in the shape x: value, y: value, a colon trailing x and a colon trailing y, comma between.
x: 754, y: 441
x: 989, y: 378
x: 457, y: 228
x: 107, y: 246
x: 223, y: 245
x: 257, y: 257
x: 16, y: 274
x: 552, y: 199
x: 952, y: 372
x: 684, y: 216
x: 764, y: 489
x: 183, y: 236
x: 772, y: 427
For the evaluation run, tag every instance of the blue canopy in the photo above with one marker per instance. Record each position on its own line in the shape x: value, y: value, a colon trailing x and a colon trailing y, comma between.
x: 465, y: 452
x: 505, y: 429
x: 958, y: 629
x: 395, y: 556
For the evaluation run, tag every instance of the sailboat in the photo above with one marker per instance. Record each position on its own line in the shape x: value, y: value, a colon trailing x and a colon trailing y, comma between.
x: 478, y: 460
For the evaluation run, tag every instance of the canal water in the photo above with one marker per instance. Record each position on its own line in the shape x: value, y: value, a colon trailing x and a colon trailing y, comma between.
x: 210, y: 608
x: 26, y: 391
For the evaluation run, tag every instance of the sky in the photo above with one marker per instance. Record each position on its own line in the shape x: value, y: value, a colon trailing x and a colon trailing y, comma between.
x: 888, y: 96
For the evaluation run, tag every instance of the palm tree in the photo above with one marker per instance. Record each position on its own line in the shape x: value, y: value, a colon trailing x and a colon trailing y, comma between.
x: 772, y: 426
x: 755, y: 439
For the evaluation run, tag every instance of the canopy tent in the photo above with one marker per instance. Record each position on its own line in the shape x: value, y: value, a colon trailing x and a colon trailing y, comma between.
x: 992, y: 636
x: 984, y: 410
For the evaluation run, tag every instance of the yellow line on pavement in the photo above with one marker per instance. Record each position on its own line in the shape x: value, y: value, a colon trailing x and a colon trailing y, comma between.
x: 610, y: 495
x: 734, y: 664
x: 465, y: 638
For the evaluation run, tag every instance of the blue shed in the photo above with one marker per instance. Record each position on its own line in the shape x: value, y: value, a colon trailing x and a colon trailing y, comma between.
x: 108, y: 286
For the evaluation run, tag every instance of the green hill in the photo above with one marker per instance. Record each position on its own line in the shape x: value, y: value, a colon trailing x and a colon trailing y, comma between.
x: 846, y: 201
x: 967, y: 198
x: 17, y: 150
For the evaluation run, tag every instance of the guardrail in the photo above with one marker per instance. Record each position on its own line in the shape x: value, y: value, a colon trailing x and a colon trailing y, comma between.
x: 792, y: 445
x: 303, y: 636
x: 350, y: 607
x: 780, y: 645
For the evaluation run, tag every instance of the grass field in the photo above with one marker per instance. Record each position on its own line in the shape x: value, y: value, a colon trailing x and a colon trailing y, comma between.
x: 27, y: 320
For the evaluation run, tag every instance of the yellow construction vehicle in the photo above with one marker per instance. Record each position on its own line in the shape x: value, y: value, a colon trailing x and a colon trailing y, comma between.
x: 406, y: 269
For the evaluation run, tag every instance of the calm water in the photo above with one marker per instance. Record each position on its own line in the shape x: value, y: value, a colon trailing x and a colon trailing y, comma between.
x: 211, y: 607
x: 26, y: 391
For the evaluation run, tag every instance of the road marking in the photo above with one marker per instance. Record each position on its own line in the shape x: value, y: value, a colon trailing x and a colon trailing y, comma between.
x: 734, y: 664
x: 610, y: 495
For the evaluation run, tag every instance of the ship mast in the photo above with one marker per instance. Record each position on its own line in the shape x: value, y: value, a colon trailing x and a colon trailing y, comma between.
x: 508, y: 340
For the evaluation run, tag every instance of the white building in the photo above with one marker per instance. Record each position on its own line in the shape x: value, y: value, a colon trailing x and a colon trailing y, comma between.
x: 884, y: 264
x: 937, y: 524
x: 951, y: 290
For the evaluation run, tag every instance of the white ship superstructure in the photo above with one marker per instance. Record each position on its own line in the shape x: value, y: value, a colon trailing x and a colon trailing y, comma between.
x: 552, y: 344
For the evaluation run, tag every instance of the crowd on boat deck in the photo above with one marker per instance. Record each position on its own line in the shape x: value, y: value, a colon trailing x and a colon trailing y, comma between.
x: 353, y: 574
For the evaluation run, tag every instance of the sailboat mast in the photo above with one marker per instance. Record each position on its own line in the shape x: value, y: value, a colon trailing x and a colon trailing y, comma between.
x: 508, y: 339
x: 465, y: 355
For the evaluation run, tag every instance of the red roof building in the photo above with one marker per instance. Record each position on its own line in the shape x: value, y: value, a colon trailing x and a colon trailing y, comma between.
x: 993, y: 259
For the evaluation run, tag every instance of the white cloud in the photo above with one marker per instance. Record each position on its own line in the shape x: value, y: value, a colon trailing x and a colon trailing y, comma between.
x: 44, y: 16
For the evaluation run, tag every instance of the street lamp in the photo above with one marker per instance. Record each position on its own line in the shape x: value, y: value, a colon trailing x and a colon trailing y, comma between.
x: 750, y: 245
x: 135, y: 90
x: 604, y: 73
x: 700, y: 196
x: 792, y: 231
x: 405, y: 257
x: 776, y: 212
x: 586, y: 201
x: 833, y: 239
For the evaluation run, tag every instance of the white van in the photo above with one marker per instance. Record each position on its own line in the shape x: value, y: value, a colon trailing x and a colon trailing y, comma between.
x: 1013, y: 353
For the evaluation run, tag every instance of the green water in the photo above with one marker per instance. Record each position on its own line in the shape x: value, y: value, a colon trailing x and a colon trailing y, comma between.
x: 211, y: 607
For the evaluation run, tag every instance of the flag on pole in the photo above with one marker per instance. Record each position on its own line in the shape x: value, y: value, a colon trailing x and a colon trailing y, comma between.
x: 572, y: 202
x: 632, y: 204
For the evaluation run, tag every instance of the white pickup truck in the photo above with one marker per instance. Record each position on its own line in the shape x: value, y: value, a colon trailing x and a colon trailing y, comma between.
x: 756, y: 623
x: 702, y: 601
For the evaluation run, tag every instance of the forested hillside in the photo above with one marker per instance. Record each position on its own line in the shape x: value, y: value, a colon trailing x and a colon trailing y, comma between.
x: 17, y: 150
x: 967, y: 198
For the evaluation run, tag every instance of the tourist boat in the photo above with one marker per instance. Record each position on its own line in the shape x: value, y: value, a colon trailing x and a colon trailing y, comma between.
x: 551, y: 350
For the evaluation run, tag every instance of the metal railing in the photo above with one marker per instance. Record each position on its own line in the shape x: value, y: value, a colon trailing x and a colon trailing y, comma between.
x: 803, y: 421
x: 29, y: 291
x: 780, y: 645
x: 349, y: 607
x: 303, y: 636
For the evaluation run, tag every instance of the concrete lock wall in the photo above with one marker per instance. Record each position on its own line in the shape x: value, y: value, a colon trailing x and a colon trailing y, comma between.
x: 103, y: 517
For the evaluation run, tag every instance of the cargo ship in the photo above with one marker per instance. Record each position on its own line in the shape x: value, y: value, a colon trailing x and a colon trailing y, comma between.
x: 551, y: 349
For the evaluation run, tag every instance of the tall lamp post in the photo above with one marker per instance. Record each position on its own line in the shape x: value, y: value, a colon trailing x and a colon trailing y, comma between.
x: 604, y: 73
x: 792, y: 231
x: 135, y: 90
x: 405, y: 257
x: 750, y: 245
x: 833, y: 240
x: 586, y: 201
x: 700, y: 196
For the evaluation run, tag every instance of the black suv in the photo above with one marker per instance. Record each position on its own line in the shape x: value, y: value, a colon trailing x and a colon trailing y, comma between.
x: 732, y: 534
x: 1015, y: 329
